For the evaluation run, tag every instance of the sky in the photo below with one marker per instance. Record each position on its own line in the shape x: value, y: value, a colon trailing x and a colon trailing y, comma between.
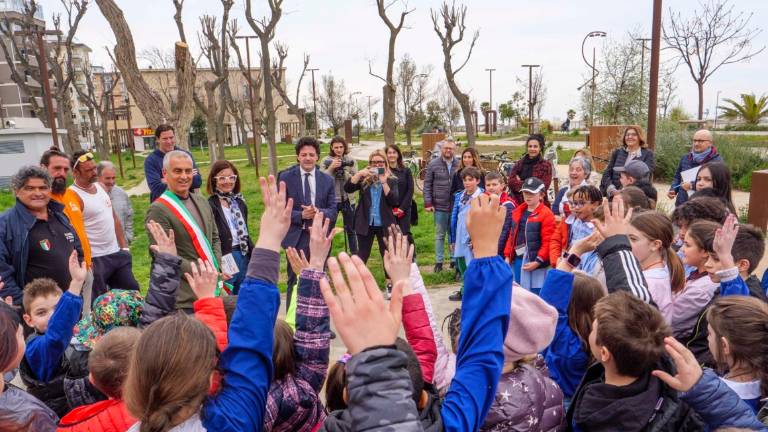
x: 343, y: 36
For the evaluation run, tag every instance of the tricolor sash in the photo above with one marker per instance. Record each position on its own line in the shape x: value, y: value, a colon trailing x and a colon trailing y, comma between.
x: 199, y: 240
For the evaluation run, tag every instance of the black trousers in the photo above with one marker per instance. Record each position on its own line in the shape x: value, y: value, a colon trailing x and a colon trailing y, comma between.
x: 115, y: 271
x: 347, y: 211
x: 365, y: 242
x: 301, y: 245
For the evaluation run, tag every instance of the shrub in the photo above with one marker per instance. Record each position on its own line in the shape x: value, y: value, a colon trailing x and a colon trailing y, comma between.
x: 545, y: 127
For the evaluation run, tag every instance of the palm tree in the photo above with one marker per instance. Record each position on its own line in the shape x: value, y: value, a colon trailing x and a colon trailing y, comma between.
x: 751, y: 110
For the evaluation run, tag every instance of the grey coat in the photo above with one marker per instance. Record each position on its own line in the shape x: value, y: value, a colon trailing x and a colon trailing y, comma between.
x: 437, y: 184
x: 121, y: 203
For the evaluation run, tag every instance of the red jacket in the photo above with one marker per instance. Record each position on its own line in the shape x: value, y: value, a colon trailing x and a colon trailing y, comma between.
x: 211, y: 312
x: 559, y: 242
x: 419, y: 334
x: 109, y: 415
x: 538, y: 233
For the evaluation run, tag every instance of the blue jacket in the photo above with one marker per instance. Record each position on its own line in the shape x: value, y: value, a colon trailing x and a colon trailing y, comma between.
x: 459, y: 234
x: 686, y: 163
x: 479, y: 361
x: 15, y: 224
x: 718, y: 405
x: 43, y: 353
x: 153, y: 171
x: 565, y: 356
x: 325, y: 200
x: 246, y: 364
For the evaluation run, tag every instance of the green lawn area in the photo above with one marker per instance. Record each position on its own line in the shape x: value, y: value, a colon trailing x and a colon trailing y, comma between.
x: 423, y: 233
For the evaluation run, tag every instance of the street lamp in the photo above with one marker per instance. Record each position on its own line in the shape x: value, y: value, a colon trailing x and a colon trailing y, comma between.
x: 596, y: 33
x: 351, y: 116
x: 717, y: 103
x: 530, y: 96
x: 314, y: 100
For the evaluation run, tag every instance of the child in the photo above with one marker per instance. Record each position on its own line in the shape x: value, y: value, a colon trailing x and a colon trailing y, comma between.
x: 108, y: 366
x: 651, y: 234
x: 167, y: 385
x: 19, y: 411
x: 578, y: 225
x: 707, y: 208
x: 747, y: 251
x: 528, y: 245
x: 716, y: 176
x: 494, y: 184
x: 619, y: 392
x: 634, y: 197
x: 47, y: 359
x: 460, y: 242
x: 699, y: 287
x: 738, y: 340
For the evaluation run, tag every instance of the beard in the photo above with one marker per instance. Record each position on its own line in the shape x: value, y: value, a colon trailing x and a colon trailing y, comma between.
x: 59, y: 185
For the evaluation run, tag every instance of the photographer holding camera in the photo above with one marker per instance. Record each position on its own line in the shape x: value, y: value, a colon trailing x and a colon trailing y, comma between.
x: 341, y: 167
x: 378, y: 195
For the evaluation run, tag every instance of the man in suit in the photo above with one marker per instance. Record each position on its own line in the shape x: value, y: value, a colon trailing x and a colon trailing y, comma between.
x: 312, y: 191
x: 191, y: 219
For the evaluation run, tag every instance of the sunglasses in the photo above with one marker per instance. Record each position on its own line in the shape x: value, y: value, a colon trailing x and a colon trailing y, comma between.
x: 84, y: 158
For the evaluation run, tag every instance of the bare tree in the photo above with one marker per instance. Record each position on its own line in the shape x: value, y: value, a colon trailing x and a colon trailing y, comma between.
x: 237, y: 105
x: 411, y: 93
x: 453, y: 21
x: 538, y: 92
x: 97, y: 106
x: 389, y: 89
x: 256, y: 84
x: 333, y: 102
x: 667, y: 89
x: 278, y: 80
x: 265, y: 29
x: 715, y: 36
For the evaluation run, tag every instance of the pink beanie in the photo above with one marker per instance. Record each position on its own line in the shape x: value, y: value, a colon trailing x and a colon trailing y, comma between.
x: 532, y: 324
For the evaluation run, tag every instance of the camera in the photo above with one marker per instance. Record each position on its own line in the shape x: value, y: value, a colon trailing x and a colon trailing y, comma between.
x: 339, y: 172
x: 380, y: 171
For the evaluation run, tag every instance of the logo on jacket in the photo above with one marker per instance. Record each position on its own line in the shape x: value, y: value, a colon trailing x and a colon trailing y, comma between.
x: 45, y: 244
x: 69, y: 236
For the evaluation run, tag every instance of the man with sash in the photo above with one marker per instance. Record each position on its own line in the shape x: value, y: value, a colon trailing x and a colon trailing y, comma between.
x: 190, y: 218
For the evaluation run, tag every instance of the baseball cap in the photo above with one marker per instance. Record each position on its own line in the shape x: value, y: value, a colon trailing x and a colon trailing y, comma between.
x: 635, y: 168
x: 115, y: 308
x: 532, y: 185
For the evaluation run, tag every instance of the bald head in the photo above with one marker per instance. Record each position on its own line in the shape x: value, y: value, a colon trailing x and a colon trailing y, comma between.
x: 702, y: 140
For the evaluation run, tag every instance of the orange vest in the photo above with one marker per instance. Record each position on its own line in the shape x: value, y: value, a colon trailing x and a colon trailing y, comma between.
x: 71, y: 202
x: 106, y: 416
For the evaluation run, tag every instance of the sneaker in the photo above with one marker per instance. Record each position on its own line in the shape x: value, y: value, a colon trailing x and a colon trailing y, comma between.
x: 456, y: 296
x: 438, y: 267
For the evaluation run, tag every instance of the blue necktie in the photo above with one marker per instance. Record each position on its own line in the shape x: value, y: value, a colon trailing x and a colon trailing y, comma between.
x: 307, y: 190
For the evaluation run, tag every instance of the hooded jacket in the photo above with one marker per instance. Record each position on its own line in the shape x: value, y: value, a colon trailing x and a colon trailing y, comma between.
x: 538, y: 233
x: 647, y: 404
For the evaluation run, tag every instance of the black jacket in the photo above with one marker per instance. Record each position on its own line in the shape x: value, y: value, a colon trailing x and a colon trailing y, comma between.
x: 405, y: 187
x: 388, y: 201
x: 645, y: 405
x: 225, y: 235
x: 618, y: 158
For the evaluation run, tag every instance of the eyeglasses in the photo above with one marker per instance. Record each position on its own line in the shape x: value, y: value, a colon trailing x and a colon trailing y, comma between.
x: 575, y: 204
x: 377, y: 162
x: 222, y: 178
x: 84, y: 158
x: 700, y: 141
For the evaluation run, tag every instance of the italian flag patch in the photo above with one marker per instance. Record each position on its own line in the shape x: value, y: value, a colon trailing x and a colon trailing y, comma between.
x: 45, y: 244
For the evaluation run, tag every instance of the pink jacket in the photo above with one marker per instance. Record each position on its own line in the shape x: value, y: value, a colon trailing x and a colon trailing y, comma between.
x: 688, y: 303
x: 419, y: 334
x: 660, y: 287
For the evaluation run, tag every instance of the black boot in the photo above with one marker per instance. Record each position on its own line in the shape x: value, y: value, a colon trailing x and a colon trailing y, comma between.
x: 438, y: 267
x: 456, y: 296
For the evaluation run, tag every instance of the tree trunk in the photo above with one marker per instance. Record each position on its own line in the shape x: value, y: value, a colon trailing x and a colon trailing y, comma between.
x: 388, y: 122
x: 302, y: 114
x: 408, y: 134
x: 463, y: 101
x: 700, y: 85
x: 185, y: 87
x: 148, y: 101
x: 269, y: 106
x: 71, y: 143
x: 98, y: 142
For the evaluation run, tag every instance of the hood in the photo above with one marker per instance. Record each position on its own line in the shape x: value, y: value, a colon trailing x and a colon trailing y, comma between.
x: 431, y: 421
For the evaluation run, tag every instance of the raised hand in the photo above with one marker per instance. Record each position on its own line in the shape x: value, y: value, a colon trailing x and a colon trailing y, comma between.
x: 320, y: 240
x: 398, y: 256
x: 359, y: 311
x: 587, y: 244
x: 724, y: 239
x: 276, y: 218
x: 484, y: 223
x: 165, y: 243
x: 688, y: 369
x: 204, y: 280
x: 296, y: 260
x: 77, y: 271
x: 616, y: 222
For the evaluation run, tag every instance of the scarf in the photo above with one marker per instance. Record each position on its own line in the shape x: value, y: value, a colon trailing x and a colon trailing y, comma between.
x: 528, y: 164
x: 239, y: 221
x: 700, y: 157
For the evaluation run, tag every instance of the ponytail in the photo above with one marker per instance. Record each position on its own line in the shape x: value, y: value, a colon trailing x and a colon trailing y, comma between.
x: 676, y: 270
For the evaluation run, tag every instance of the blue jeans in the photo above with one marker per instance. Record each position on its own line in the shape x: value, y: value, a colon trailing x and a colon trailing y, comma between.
x: 442, y: 225
x: 238, y: 278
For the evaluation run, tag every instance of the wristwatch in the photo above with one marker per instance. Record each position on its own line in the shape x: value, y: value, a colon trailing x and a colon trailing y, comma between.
x: 573, y: 260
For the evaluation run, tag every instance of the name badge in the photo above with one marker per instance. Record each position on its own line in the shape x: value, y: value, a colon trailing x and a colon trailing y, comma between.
x: 520, y: 250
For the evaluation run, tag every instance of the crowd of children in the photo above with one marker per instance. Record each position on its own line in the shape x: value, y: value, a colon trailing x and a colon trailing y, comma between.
x: 609, y: 316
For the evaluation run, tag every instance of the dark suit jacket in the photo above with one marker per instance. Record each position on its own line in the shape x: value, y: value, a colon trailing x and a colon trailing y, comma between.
x: 184, y: 247
x: 325, y: 200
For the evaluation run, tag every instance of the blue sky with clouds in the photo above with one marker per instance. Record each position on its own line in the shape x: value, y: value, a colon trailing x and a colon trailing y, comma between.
x: 342, y: 36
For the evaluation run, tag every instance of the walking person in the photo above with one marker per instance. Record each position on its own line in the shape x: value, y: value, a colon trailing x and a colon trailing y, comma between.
x: 406, y: 210
x: 230, y: 212
x: 437, y: 195
x: 341, y: 167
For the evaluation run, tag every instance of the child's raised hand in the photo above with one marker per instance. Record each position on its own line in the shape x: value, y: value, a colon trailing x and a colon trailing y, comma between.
x: 78, y: 272
x: 359, y: 311
x: 398, y: 256
x: 320, y: 240
x: 616, y: 222
x: 688, y: 369
x: 484, y: 223
x: 203, y: 281
x: 724, y: 239
x: 276, y: 218
x: 297, y: 260
x: 165, y: 243
x: 587, y: 244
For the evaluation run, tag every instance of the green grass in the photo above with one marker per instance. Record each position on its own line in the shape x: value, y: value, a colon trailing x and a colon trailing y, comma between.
x: 423, y: 233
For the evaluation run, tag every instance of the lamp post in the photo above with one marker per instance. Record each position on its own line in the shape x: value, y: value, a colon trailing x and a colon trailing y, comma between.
x: 490, y: 86
x: 370, y: 119
x: 717, y: 103
x: 256, y: 148
x: 314, y: 101
x: 352, y: 115
x: 642, y: 62
x: 530, y: 96
x: 596, y: 33
x: 131, y: 143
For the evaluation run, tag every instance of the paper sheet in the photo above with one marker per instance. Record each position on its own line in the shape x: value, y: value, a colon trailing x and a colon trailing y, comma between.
x: 229, y: 265
x: 689, y: 176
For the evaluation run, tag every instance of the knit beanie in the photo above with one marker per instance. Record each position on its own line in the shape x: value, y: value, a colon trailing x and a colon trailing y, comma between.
x: 532, y: 325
